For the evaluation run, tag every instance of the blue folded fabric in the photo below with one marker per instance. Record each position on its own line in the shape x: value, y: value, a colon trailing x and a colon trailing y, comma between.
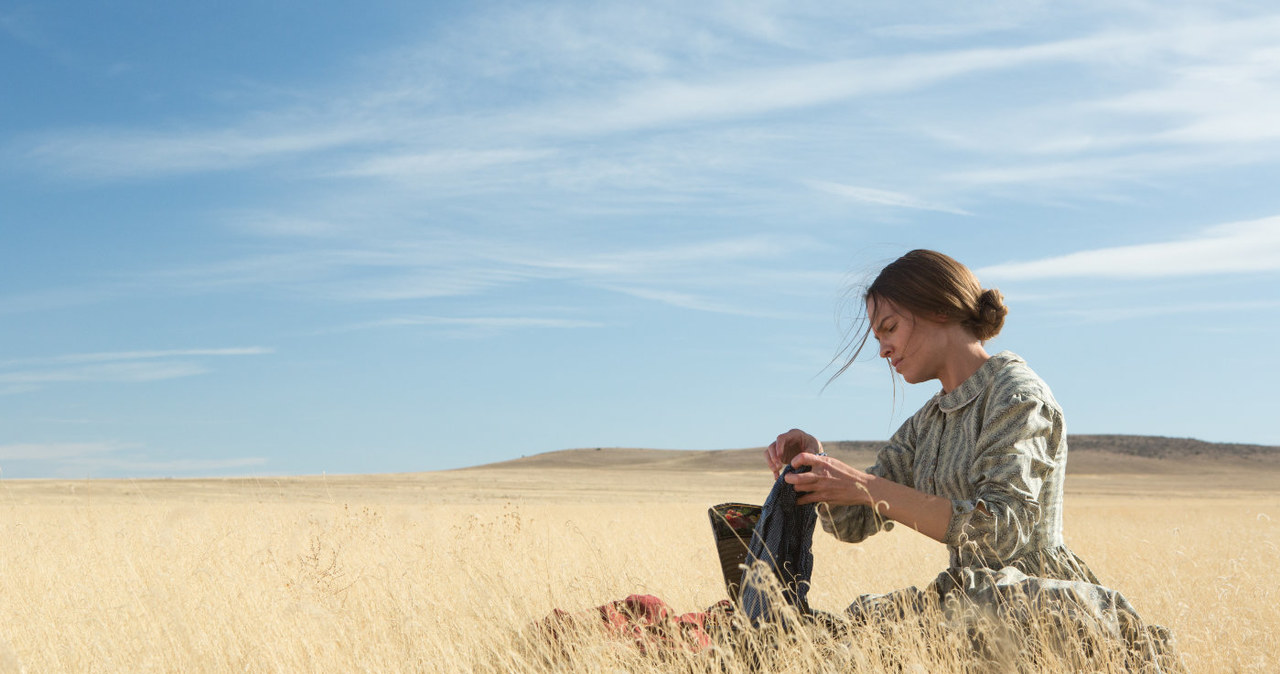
x: 781, y: 540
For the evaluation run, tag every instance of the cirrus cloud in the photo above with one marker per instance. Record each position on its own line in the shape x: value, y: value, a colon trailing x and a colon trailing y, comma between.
x: 1233, y: 248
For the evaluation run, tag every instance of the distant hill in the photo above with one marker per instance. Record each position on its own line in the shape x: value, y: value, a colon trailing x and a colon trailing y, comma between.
x: 1156, y: 447
x: 1088, y: 454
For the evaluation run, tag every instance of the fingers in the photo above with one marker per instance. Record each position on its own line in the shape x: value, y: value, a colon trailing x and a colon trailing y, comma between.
x: 793, y: 442
x: 806, y: 459
x: 817, y: 485
x: 777, y: 453
x: 787, y: 446
x: 806, y: 486
x: 774, y: 456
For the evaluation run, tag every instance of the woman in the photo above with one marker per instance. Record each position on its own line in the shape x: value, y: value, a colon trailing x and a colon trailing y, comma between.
x: 979, y: 468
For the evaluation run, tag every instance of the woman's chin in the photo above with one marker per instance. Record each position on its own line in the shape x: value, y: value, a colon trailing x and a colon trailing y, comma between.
x: 913, y: 377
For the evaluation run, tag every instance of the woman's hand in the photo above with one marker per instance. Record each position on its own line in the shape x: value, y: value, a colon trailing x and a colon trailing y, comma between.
x: 829, y: 481
x: 787, y: 447
x: 836, y: 483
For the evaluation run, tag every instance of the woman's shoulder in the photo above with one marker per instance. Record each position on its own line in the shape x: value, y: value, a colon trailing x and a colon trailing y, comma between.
x: 1012, y: 379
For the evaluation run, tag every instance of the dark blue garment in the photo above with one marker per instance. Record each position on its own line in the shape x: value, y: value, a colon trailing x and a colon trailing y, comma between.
x: 782, y: 540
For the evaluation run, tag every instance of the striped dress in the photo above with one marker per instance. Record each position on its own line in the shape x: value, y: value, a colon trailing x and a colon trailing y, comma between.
x: 998, y: 439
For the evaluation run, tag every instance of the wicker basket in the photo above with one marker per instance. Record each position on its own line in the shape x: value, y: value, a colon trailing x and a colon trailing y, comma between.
x: 732, y: 524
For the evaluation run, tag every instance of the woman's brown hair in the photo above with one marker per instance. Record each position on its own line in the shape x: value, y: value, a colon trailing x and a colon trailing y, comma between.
x: 928, y: 283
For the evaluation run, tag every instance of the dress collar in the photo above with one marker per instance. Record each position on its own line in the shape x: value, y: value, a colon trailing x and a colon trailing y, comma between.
x: 977, y: 382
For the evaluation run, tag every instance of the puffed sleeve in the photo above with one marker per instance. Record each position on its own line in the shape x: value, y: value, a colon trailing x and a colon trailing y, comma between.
x: 894, y: 461
x: 1015, y: 451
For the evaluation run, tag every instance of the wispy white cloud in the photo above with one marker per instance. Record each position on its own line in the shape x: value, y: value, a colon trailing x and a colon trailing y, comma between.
x: 1209, y: 81
x: 414, y: 266
x: 19, y: 375
x: 398, y: 130
x: 939, y: 31
x: 658, y: 102
x: 416, y: 166
x: 1092, y: 169
x: 1234, y: 248
x: 404, y: 269
x: 644, y: 260
x: 110, y: 356
x: 685, y: 300
x: 1178, y: 98
x: 56, y: 451
x: 440, y: 265
x: 115, y: 458
x: 108, y: 372
x: 737, y: 94
x: 111, y: 154
x: 672, y: 102
x: 423, y: 283
x: 872, y: 195
x: 342, y: 268
x: 691, y: 275
x: 286, y: 225
x: 492, y: 322
x: 1224, y: 100
x: 56, y: 298
x: 1113, y: 314
x: 668, y: 274
x: 487, y: 324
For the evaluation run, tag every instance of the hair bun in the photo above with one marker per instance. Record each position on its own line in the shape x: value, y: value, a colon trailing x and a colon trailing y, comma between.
x: 988, y: 315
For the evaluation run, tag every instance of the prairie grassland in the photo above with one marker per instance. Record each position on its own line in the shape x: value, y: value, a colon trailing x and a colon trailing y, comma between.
x: 446, y: 572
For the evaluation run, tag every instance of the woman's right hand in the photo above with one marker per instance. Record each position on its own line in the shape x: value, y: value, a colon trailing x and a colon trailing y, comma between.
x: 787, y: 446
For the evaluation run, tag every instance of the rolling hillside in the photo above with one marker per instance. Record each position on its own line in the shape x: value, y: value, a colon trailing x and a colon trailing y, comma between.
x: 1088, y: 454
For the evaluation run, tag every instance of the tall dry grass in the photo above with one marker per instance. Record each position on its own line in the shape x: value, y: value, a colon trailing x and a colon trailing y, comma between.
x: 157, y: 578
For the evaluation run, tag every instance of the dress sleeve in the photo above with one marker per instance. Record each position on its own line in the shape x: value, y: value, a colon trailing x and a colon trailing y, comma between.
x: 1015, y: 452
x: 895, y: 462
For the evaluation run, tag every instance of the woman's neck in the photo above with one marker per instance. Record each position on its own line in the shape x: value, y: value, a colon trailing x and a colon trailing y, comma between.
x: 961, y: 364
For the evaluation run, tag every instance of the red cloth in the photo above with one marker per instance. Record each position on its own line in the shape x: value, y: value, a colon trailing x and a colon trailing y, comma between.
x: 648, y: 621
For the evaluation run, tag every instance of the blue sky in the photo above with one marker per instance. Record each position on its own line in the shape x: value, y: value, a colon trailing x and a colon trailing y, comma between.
x: 276, y: 238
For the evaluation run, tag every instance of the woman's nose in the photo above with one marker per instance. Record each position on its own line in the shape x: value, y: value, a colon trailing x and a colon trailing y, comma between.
x: 884, y: 350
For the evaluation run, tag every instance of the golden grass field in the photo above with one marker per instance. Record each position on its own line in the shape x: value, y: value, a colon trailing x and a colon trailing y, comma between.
x: 445, y: 572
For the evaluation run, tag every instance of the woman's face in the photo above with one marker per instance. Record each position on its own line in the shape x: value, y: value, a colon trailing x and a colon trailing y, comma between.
x: 911, y: 345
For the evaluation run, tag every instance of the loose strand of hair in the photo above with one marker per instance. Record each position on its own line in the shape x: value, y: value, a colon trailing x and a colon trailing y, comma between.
x: 853, y: 345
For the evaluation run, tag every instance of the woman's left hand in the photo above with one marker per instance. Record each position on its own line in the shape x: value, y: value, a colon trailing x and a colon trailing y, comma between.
x: 830, y: 481
x: 835, y: 483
